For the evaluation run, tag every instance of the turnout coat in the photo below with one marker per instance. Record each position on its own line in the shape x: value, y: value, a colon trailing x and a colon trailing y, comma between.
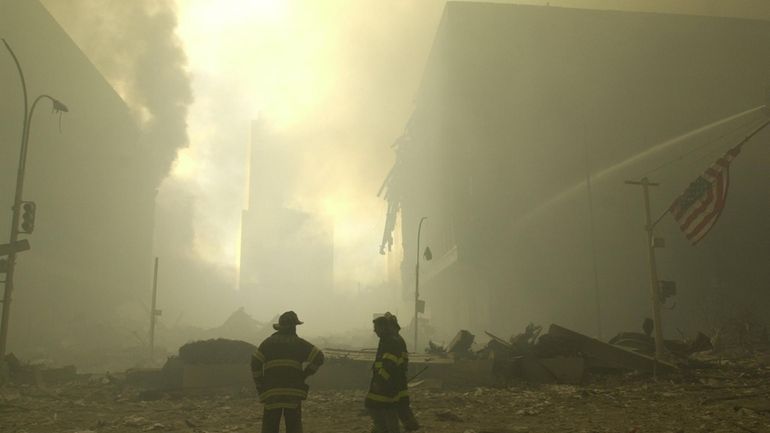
x: 280, y: 366
x: 388, y: 387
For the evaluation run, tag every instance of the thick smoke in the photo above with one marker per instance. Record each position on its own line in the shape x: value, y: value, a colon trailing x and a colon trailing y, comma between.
x: 134, y: 45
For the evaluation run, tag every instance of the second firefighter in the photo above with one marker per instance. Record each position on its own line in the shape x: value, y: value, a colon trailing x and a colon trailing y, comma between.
x: 389, y: 384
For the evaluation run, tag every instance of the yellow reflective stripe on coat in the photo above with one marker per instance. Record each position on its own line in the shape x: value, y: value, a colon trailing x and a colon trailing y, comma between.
x: 402, y: 394
x: 312, y: 355
x: 283, y: 363
x: 392, y: 357
x: 258, y: 355
x: 382, y: 372
x: 283, y: 392
x: 381, y: 398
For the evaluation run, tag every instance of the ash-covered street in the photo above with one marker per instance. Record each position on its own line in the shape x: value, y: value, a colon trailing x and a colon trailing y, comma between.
x: 734, y: 397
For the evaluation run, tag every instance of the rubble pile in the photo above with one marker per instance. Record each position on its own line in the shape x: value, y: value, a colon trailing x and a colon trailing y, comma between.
x: 216, y: 351
x: 239, y: 326
x: 741, y: 336
x: 565, y: 356
x: 680, y: 350
x: 211, y: 363
x: 14, y: 371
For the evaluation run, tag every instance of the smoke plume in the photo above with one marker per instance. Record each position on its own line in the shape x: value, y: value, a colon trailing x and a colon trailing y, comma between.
x: 134, y: 45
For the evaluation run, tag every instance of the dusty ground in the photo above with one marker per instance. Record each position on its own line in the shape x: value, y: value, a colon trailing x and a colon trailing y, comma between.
x: 728, y: 399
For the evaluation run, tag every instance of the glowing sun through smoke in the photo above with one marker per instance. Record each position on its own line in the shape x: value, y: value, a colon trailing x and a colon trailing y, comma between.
x: 284, y: 62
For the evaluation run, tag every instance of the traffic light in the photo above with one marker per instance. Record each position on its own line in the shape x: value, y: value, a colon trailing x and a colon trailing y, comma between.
x: 28, y: 216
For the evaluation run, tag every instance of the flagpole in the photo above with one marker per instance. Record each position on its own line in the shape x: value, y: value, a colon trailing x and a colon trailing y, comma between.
x: 755, y: 132
x: 654, y: 295
x: 660, y: 218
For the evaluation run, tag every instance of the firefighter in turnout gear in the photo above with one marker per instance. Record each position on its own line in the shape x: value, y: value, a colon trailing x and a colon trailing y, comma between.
x: 388, y: 385
x: 280, y: 367
x: 405, y: 413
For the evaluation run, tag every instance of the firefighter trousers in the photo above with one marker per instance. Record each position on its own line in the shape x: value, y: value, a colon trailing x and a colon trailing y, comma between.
x: 407, y: 417
x: 271, y: 420
x: 385, y: 420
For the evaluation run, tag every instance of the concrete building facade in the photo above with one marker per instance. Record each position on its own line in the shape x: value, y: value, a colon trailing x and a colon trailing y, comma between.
x: 518, y: 104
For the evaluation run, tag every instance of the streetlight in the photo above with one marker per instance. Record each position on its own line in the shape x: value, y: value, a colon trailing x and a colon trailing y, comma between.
x: 59, y: 107
x: 419, y: 306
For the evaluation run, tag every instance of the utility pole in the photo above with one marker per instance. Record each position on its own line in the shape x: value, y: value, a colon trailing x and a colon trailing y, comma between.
x: 153, y: 312
x: 654, y: 290
x: 417, y: 302
x: 597, y: 292
x: 18, y: 202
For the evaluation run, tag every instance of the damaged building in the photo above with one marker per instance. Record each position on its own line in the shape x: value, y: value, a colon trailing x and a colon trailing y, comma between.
x: 519, y: 164
x: 93, y: 183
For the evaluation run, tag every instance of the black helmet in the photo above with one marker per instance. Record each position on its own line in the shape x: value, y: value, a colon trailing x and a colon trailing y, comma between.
x: 288, y: 319
x: 387, y: 320
x: 393, y: 321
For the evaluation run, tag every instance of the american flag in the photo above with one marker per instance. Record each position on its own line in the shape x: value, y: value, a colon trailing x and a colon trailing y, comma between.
x: 698, y: 208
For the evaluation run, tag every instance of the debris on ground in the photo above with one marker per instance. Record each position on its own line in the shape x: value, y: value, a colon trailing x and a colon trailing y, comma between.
x: 15, y: 371
x: 460, y: 346
x: 435, y: 349
x: 534, y: 381
x: 734, y: 392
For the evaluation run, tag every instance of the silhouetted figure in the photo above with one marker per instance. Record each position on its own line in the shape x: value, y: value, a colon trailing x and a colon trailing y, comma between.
x: 277, y: 367
x: 405, y: 413
x: 388, y: 383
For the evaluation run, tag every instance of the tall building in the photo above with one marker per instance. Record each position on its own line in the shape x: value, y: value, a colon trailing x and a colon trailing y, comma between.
x: 519, y: 104
x: 86, y: 171
x: 286, y: 254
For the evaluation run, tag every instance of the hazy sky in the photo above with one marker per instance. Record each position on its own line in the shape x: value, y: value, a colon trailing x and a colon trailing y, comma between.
x: 336, y: 77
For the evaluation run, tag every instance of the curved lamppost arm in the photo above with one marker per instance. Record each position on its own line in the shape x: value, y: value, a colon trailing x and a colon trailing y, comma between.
x: 57, y: 106
x: 23, y: 153
x: 17, y: 199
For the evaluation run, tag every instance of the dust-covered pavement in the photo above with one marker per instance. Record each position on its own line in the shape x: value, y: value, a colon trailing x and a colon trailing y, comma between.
x: 732, y: 400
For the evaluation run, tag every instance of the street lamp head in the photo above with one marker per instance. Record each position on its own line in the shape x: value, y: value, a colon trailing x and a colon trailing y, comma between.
x: 427, y: 254
x: 59, y: 106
